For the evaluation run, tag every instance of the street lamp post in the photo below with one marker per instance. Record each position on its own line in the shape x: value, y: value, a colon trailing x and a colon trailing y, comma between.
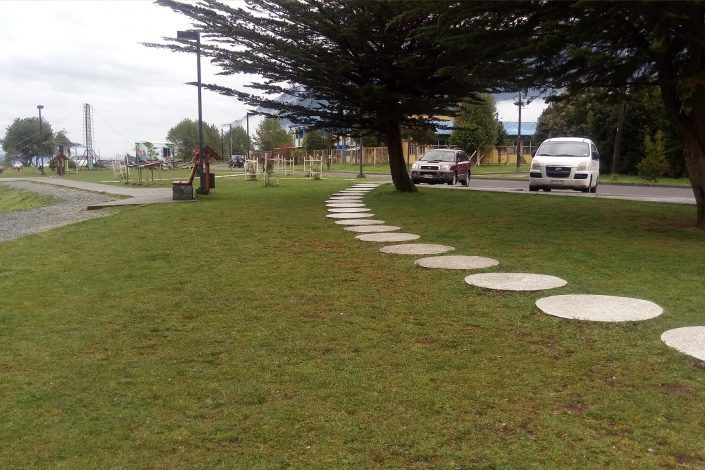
x: 362, y: 153
x: 41, y: 157
x: 195, y: 35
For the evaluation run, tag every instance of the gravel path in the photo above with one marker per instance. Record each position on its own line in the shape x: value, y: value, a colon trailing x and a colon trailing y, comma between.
x: 70, y: 209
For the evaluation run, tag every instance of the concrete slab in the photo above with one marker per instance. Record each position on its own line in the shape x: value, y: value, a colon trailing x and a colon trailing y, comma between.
x: 388, y: 237
x: 515, y: 281
x: 356, y: 193
x: 345, y: 204
x: 348, y: 210
x: 360, y: 222
x: 417, y: 249
x: 372, y: 228
x: 604, y: 308
x: 456, y: 262
x: 689, y: 340
x: 345, y: 199
x: 349, y: 216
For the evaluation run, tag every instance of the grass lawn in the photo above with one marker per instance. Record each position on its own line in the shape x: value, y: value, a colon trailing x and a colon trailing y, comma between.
x: 247, y: 330
x: 17, y: 200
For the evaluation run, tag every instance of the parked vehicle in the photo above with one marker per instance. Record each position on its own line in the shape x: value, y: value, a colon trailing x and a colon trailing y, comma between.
x: 237, y: 161
x: 442, y: 166
x: 565, y: 163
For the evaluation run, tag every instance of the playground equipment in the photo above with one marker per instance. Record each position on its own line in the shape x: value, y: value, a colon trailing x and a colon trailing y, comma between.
x: 313, y: 167
x: 183, y: 189
x: 61, y: 162
x: 251, y: 169
x: 271, y: 171
x: 284, y: 165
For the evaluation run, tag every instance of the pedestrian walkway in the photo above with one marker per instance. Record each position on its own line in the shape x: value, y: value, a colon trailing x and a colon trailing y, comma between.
x: 133, y: 196
x: 582, y: 307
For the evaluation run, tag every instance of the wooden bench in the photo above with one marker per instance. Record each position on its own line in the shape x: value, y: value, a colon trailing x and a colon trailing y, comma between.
x: 182, y: 190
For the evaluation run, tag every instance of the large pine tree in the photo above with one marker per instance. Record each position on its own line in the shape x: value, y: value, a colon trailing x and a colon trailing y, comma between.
x: 366, y: 66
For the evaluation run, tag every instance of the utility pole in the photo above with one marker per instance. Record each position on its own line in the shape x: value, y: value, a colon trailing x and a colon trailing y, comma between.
x: 519, y: 103
x: 618, y: 137
x: 41, y: 161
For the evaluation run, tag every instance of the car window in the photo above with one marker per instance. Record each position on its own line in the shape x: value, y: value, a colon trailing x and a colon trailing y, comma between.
x: 439, y: 156
x: 564, y: 149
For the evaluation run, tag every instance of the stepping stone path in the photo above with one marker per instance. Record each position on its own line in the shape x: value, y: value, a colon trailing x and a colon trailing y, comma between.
x: 345, y: 204
x: 348, y: 210
x: 372, y: 228
x: 456, y: 262
x: 689, y: 340
x: 360, y: 222
x: 417, y: 249
x: 349, y: 216
x: 601, y: 308
x: 604, y: 308
x: 515, y: 281
x: 388, y: 237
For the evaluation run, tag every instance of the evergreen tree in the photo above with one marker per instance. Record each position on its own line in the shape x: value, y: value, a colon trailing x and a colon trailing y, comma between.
x: 271, y: 135
x: 356, y: 64
x: 23, y: 140
x: 654, y: 163
x: 476, y: 126
x: 185, y: 137
x: 315, y: 140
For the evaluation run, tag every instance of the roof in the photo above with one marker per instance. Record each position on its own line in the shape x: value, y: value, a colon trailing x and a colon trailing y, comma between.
x: 512, y: 127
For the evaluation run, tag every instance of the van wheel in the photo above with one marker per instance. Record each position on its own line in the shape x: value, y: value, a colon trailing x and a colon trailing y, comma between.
x: 546, y: 190
x: 466, y: 181
x: 533, y: 188
x: 594, y: 190
x: 453, y: 180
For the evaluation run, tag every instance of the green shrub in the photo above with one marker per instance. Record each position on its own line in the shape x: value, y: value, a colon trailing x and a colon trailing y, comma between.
x: 654, y: 163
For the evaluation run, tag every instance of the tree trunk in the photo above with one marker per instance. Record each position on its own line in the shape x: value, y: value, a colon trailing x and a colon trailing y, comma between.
x: 397, y: 166
x: 694, y: 153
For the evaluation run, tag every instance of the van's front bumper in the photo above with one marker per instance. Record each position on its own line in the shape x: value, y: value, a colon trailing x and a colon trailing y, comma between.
x: 576, y: 180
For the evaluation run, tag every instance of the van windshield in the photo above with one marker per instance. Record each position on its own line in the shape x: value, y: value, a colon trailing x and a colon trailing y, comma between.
x: 564, y: 149
x: 439, y: 156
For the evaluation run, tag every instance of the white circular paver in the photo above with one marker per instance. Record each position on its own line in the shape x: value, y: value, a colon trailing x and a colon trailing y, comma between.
x: 360, y: 222
x: 357, y: 193
x: 417, y: 249
x: 605, y: 308
x: 344, y: 198
x: 372, y: 228
x: 689, y: 340
x: 457, y: 262
x: 515, y: 281
x: 356, y: 215
x: 345, y: 204
x: 348, y: 210
x: 389, y: 237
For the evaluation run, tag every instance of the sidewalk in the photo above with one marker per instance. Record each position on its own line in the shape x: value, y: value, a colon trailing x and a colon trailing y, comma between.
x: 134, y: 196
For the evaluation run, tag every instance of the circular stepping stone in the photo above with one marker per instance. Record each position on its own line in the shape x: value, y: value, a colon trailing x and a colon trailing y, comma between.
x: 417, y: 249
x: 456, y: 262
x: 390, y: 237
x: 345, y: 199
x: 349, y: 210
x: 372, y: 228
x: 515, y: 281
x: 357, y: 193
x: 356, y: 215
x: 606, y: 308
x: 345, y: 204
x: 360, y: 222
x: 689, y: 340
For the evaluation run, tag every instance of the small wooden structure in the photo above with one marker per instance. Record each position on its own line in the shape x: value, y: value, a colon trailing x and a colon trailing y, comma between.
x: 183, y: 189
x: 60, y: 161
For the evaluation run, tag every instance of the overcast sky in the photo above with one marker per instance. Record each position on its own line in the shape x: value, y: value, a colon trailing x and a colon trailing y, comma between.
x: 64, y: 53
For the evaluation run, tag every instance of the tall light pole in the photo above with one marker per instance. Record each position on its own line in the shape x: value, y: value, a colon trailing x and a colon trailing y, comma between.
x: 41, y: 157
x: 195, y: 35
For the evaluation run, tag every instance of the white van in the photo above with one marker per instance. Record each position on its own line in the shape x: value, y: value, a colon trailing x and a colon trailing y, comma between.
x: 565, y: 163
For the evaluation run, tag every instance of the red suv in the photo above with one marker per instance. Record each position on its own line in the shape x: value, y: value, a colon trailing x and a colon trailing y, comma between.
x: 442, y: 166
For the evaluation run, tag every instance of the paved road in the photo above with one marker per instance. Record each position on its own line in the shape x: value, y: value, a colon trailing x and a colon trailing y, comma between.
x: 604, y: 191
